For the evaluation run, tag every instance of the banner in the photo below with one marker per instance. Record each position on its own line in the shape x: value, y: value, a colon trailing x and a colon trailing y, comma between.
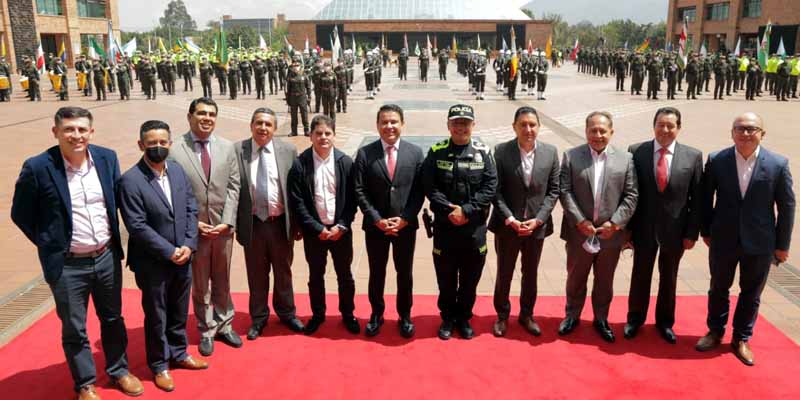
x: 763, y: 47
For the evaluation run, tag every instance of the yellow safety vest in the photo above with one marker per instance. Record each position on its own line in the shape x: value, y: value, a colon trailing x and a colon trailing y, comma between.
x: 744, y: 62
x: 772, y: 65
x: 795, y: 67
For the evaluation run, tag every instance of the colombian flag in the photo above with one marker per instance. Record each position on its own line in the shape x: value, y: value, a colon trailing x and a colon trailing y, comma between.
x: 62, y: 52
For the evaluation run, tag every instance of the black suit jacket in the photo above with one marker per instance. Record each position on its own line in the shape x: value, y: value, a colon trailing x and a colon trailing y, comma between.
x: 42, y: 207
x: 514, y: 197
x: 378, y: 196
x: 155, y: 227
x: 669, y: 217
x: 301, y: 192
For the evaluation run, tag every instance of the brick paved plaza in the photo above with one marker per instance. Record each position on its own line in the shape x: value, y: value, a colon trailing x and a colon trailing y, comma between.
x: 25, y: 130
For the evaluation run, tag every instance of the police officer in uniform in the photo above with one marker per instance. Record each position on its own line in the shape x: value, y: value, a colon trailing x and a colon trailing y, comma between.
x: 478, y: 69
x: 99, y: 75
x: 148, y: 78
x: 402, y: 64
x: 85, y: 67
x: 259, y: 75
x: 424, y: 61
x: 460, y: 180
x: 273, y: 71
x: 444, y: 58
x: 245, y: 72
x: 298, y: 94
x: 206, y: 73
x: 233, y: 78
x: 186, y: 68
x: 341, y: 86
x: 327, y: 88
x: 541, y: 75
x: 124, y: 79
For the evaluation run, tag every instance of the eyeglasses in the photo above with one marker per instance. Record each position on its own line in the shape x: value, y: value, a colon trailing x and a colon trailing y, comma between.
x: 749, y: 130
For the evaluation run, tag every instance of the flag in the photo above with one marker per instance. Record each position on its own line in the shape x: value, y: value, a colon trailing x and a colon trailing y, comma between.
x: 129, y: 48
x: 530, y: 47
x: 222, y: 47
x: 703, y: 50
x: 763, y: 47
x: 62, y: 52
x: 479, y: 41
x: 416, y: 49
x: 737, y: 52
x: 113, y: 52
x: 262, y: 44
x: 149, y: 46
x: 178, y: 46
x: 682, y: 45
x: 548, y: 49
x: 428, y: 49
x: 781, y: 50
x: 40, y: 59
x: 352, y: 35
x: 455, y: 45
x: 98, y: 50
x: 306, y: 49
x: 435, y: 42
x: 577, y: 47
x: 405, y: 41
x: 189, y: 45
x: 336, y: 46
x: 289, y: 47
x: 240, y: 41
x: 644, y: 45
x: 505, y: 46
x: 161, y: 46
x: 514, y: 58
x: 626, y: 45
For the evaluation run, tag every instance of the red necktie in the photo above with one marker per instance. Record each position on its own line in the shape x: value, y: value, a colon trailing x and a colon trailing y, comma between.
x: 661, y: 170
x: 391, y: 163
x: 205, y: 158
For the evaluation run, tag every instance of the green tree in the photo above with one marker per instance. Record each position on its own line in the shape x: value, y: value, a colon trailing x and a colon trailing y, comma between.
x: 177, y: 18
x: 528, y: 12
x: 248, y: 35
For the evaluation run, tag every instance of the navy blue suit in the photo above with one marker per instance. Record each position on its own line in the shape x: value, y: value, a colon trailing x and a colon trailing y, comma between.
x: 744, y: 230
x: 156, y: 229
x: 42, y: 209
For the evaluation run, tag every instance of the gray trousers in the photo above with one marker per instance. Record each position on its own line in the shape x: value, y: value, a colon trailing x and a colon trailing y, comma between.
x: 100, y: 278
x: 211, y: 285
x: 603, y: 265
x: 270, y: 249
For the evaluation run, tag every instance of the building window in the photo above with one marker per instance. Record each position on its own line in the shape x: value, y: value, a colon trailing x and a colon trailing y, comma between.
x: 687, y: 14
x: 92, y: 8
x: 752, y: 9
x: 718, y: 11
x: 49, y: 7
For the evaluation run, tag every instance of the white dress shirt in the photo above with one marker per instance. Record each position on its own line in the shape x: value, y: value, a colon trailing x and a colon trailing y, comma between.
x: 657, y: 156
x: 745, y: 168
x: 274, y: 199
x: 599, y: 165
x: 325, y: 187
x: 198, y: 147
x: 91, y: 228
x: 163, y: 182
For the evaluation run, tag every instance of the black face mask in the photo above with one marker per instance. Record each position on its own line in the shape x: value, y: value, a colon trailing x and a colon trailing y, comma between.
x: 156, y: 154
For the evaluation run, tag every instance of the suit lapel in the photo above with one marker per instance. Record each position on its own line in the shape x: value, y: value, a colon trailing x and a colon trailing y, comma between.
x: 247, y: 153
x: 539, y: 165
x: 58, y: 172
x: 380, y: 159
x: 677, y: 156
x: 589, y: 172
x: 730, y: 165
x: 757, y: 171
x: 151, y: 179
x: 104, y: 175
x: 516, y: 160
x: 188, y: 148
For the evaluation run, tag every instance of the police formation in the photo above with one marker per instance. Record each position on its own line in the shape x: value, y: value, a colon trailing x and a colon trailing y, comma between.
x: 724, y: 74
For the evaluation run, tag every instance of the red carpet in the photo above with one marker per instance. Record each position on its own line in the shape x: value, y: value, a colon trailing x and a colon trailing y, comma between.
x: 336, y: 365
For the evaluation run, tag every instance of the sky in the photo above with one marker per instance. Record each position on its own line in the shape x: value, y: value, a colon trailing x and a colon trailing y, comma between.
x: 141, y: 15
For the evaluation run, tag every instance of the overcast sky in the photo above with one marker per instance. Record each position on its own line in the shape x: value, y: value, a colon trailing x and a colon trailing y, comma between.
x: 139, y: 15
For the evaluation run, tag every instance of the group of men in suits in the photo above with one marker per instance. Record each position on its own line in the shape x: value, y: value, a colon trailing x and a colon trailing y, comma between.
x: 182, y: 203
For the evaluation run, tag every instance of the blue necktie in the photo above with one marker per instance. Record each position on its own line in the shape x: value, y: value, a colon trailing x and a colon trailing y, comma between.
x: 262, y: 181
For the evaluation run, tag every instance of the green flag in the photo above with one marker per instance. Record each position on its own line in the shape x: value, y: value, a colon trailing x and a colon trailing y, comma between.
x: 416, y: 49
x: 97, y: 48
x: 763, y: 46
x: 222, y: 47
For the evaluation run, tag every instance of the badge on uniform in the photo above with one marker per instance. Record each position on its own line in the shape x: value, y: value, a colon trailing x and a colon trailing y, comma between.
x: 445, y: 165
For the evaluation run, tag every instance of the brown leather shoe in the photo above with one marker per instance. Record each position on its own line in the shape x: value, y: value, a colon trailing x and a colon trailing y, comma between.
x: 130, y: 385
x: 500, y: 327
x: 191, y: 363
x: 530, y: 325
x: 708, y: 342
x: 88, y: 393
x: 742, y: 351
x: 164, y: 381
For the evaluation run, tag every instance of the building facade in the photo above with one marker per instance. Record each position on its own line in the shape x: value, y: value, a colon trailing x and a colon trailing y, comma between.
x: 26, y: 23
x: 372, y: 22
x: 720, y: 24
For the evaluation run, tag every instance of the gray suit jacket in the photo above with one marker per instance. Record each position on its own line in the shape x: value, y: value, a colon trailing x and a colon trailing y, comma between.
x: 619, y: 193
x: 217, y: 198
x: 514, y: 197
x: 285, y: 153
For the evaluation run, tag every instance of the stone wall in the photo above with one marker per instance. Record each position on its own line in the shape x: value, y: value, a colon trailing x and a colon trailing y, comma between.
x: 23, y: 27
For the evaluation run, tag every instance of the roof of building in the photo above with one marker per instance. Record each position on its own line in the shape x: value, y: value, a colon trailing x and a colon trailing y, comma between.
x: 348, y: 10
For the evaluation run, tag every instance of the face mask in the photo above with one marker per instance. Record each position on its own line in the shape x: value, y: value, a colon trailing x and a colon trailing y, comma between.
x: 156, y: 154
x: 592, y: 245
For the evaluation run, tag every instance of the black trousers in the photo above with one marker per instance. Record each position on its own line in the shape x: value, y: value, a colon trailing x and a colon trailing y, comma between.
x: 317, y: 257
x: 508, y: 247
x: 187, y: 82
x: 100, y: 278
x: 378, y: 257
x: 753, y: 272
x: 341, y: 98
x: 621, y: 81
x: 303, y: 108
x: 273, y: 83
x: 719, y: 88
x: 260, y: 92
x: 166, y: 291
x: 206, y: 84
x: 644, y: 259
x: 269, y: 251
x: 458, y: 270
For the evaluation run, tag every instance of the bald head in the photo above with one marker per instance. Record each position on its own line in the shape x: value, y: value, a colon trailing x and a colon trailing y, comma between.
x: 747, y: 132
x: 750, y: 118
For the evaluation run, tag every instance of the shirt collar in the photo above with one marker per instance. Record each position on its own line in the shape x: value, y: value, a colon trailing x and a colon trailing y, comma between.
x: 525, y: 153
x: 87, y: 164
x: 256, y: 147
x: 195, y: 139
x: 321, y: 160
x: 752, y: 156
x: 670, y: 149
x: 396, y: 145
x: 157, y: 174
x: 596, y: 155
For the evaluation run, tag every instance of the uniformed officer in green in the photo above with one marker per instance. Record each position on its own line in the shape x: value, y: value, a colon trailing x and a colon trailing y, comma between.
x: 460, y: 180
x: 124, y: 79
x: 206, y: 73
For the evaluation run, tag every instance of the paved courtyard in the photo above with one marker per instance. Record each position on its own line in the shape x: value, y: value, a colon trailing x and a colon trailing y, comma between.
x: 25, y: 130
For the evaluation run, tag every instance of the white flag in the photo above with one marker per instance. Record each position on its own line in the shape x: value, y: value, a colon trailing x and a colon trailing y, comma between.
x: 262, y: 44
x: 129, y: 48
x: 781, y: 50
x: 737, y: 52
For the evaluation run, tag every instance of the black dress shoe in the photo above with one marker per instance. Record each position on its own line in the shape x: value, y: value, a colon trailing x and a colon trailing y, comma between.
x: 313, y: 324
x: 294, y: 324
x: 255, y: 331
x: 668, y: 334
x: 604, y: 330
x: 406, y: 327
x: 567, y: 325
x: 446, y: 330
x: 230, y: 338
x: 351, y: 324
x: 374, y: 325
x: 465, y: 330
x: 206, y: 347
x: 630, y: 331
